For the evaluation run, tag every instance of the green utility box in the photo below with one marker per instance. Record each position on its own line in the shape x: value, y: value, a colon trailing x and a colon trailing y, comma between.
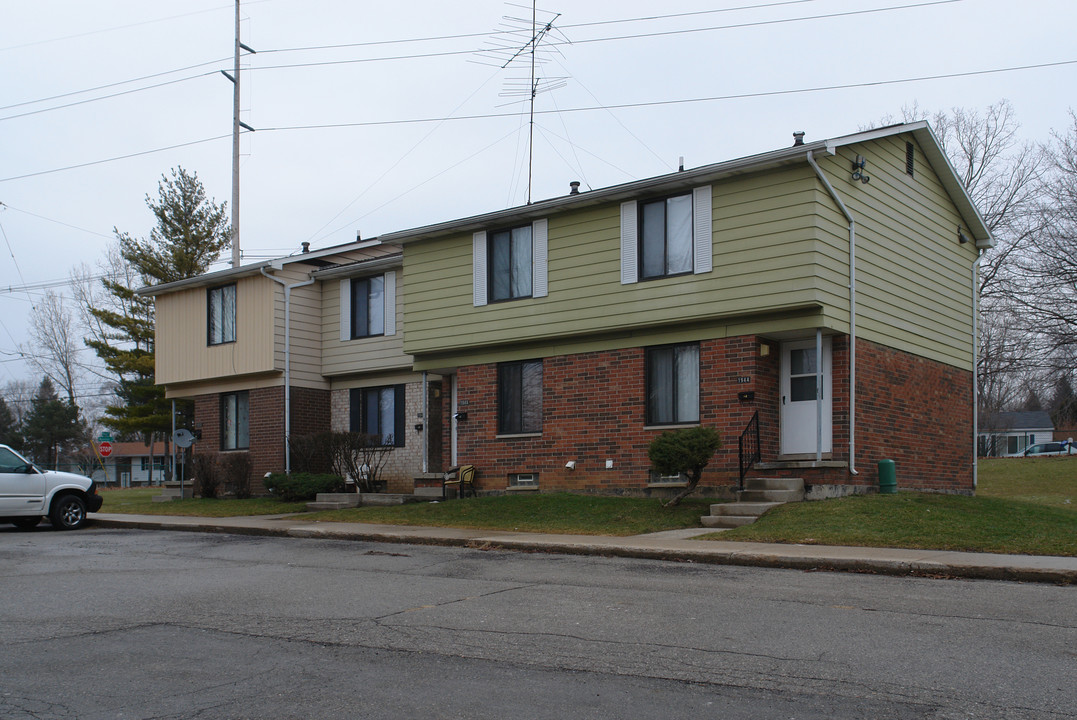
x: 887, y: 477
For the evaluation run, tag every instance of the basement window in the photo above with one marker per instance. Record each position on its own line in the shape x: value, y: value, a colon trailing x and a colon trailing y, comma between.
x: 523, y: 480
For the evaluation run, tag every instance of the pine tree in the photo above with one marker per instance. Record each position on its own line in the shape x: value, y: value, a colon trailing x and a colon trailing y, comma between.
x: 190, y: 234
x: 52, y: 426
x: 9, y: 427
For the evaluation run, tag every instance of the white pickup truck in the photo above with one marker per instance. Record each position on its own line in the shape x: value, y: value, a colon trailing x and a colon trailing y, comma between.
x: 28, y: 493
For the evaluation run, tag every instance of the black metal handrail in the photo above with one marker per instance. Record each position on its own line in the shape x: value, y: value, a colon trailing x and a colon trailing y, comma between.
x: 748, y: 448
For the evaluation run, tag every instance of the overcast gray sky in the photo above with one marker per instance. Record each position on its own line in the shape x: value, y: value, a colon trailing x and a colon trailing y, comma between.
x: 377, y: 117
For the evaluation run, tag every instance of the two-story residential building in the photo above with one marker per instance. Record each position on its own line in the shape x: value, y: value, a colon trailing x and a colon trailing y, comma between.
x: 295, y: 346
x: 822, y: 295
x: 825, y: 289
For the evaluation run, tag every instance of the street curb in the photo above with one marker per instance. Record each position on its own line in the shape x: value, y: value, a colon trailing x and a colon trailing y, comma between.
x: 742, y: 558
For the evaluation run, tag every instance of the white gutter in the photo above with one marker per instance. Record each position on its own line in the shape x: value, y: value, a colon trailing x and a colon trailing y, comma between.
x: 975, y: 369
x: 287, y: 362
x: 852, y: 310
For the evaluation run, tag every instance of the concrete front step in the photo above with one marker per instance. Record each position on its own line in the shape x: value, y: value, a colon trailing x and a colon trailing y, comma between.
x: 726, y: 521
x: 773, y: 483
x: 743, y: 508
x: 770, y: 496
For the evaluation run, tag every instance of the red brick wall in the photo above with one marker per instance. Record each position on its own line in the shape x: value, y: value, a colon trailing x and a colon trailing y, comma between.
x: 594, y: 410
x: 917, y: 413
x: 310, y: 413
x: 914, y: 411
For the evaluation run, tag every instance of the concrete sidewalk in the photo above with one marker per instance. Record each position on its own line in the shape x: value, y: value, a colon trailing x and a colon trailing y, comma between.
x: 674, y: 545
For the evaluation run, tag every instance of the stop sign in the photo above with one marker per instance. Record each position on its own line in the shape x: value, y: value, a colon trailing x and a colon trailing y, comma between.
x: 105, y: 448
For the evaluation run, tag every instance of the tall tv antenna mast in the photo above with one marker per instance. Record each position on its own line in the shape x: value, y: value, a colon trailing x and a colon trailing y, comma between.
x: 507, y: 50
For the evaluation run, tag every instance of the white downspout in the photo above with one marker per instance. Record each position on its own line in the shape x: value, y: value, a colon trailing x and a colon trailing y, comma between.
x: 975, y: 369
x: 426, y: 424
x: 852, y: 310
x: 287, y: 363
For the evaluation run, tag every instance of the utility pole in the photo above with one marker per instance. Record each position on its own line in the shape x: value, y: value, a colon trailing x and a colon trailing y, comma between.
x: 235, y: 149
x: 236, y: 125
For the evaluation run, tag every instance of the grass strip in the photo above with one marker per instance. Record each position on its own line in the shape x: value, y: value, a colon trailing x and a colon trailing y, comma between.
x: 545, y: 513
x: 139, y: 501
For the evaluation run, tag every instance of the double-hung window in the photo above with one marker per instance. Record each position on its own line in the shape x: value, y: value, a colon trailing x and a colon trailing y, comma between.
x: 511, y: 263
x: 379, y: 411
x: 519, y: 397
x: 235, y: 420
x: 666, y: 236
x: 368, y: 306
x: 665, y: 240
x: 221, y: 304
x: 672, y: 384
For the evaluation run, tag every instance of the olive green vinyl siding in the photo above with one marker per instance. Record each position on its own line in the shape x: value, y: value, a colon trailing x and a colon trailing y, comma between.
x: 182, y: 353
x: 767, y: 258
x: 913, y: 278
x: 373, y: 354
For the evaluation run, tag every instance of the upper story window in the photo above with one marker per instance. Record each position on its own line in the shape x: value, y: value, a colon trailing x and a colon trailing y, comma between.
x: 235, y: 420
x: 666, y: 236
x: 519, y: 397
x: 665, y: 239
x: 368, y: 306
x: 510, y: 264
x: 221, y: 303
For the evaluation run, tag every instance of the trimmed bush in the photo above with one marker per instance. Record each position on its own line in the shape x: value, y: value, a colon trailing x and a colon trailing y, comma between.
x: 684, y: 451
x: 300, y: 487
x: 206, y: 474
x: 236, y: 469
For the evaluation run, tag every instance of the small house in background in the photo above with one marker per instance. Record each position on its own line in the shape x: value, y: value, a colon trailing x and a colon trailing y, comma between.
x: 1009, y: 434
x: 129, y: 465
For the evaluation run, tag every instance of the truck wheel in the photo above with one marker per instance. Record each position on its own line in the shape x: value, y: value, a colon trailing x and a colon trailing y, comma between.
x: 26, y: 523
x: 68, y: 512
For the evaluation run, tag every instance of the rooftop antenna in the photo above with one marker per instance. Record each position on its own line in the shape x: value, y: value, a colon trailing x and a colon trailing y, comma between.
x: 530, y: 50
x: 236, y: 125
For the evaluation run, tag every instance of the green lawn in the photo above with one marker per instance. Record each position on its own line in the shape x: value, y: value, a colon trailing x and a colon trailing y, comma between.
x: 534, y: 512
x: 1023, y: 506
x: 138, y: 501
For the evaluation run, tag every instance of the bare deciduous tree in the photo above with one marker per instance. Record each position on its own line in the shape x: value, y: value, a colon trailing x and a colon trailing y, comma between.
x: 54, y: 349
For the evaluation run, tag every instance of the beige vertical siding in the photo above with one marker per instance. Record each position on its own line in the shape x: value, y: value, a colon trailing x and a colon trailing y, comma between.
x: 374, y: 354
x: 182, y: 351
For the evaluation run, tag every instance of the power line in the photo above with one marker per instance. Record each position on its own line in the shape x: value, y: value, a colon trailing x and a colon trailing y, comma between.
x: 619, y: 106
x: 58, y: 222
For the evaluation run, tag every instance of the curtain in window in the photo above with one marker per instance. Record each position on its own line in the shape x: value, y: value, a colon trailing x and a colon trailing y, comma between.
x: 654, y: 249
x: 229, y: 324
x: 521, y: 261
x: 501, y: 266
x: 386, y: 414
x: 376, y: 306
x: 687, y: 367
x: 679, y: 234
x: 531, y: 393
x: 660, y: 384
x: 235, y: 421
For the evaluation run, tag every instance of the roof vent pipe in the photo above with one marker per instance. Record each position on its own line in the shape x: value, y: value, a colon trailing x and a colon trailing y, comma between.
x: 798, y: 138
x: 306, y: 246
x: 681, y: 167
x: 574, y: 187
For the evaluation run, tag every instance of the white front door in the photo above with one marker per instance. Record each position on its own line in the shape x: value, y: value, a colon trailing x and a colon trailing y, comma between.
x: 800, y: 412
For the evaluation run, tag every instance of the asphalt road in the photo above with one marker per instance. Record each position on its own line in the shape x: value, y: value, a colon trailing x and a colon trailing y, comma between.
x: 148, y: 624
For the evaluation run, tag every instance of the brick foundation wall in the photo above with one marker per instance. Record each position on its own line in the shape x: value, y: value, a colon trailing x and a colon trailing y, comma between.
x: 594, y: 410
x: 916, y: 412
x: 909, y: 409
x: 310, y: 413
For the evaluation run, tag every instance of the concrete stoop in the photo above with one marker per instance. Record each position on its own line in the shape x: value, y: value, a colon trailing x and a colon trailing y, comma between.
x: 758, y: 496
x: 341, y: 501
